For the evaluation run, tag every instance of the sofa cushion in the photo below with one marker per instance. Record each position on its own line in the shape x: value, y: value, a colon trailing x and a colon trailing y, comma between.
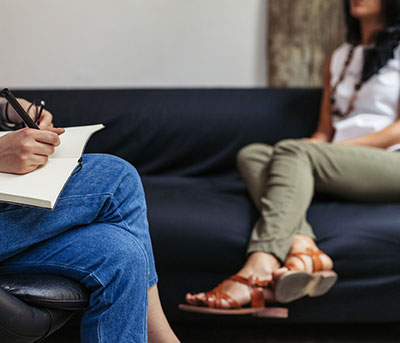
x: 364, y: 243
x: 196, y: 249
x: 214, y: 235
x: 184, y: 132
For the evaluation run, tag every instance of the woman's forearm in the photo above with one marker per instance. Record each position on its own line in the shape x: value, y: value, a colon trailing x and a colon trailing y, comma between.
x: 382, y: 139
x: 321, y: 136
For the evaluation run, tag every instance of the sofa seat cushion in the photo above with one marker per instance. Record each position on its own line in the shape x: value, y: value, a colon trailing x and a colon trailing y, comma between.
x: 363, y: 239
x: 214, y: 235
x: 199, y: 248
x: 359, y: 237
x: 364, y: 243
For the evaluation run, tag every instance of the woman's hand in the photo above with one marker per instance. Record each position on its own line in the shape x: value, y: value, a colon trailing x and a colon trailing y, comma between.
x: 313, y: 140
x: 318, y: 138
x: 26, y: 150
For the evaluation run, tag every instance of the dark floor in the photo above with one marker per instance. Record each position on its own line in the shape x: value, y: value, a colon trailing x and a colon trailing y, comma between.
x: 291, y: 333
x: 260, y: 332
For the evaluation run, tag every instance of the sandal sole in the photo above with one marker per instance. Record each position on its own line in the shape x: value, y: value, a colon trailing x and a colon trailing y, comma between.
x: 270, y: 312
x: 295, y: 285
x: 203, y: 309
x: 327, y: 281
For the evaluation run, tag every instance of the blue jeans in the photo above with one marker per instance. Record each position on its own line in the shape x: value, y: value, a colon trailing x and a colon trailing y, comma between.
x: 97, y: 235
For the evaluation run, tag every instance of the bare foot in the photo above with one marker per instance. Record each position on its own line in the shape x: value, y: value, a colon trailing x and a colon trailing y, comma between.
x: 261, y: 265
x: 303, y: 243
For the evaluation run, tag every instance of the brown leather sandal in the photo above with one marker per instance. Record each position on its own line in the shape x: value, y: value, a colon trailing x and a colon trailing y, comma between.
x: 296, y: 284
x: 212, y: 304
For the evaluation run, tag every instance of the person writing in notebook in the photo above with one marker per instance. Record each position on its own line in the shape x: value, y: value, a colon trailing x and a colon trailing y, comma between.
x: 97, y: 235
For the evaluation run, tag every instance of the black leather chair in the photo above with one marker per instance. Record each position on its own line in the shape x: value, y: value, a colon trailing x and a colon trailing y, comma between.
x: 32, y: 307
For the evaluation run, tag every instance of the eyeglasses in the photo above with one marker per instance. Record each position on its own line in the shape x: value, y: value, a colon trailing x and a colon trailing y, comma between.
x: 39, y: 106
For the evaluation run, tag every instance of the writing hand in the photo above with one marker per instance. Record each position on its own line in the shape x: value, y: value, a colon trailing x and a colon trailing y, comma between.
x: 26, y: 150
x: 46, y: 121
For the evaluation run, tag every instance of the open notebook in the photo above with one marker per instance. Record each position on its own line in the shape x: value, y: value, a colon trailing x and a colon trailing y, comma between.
x: 43, y: 186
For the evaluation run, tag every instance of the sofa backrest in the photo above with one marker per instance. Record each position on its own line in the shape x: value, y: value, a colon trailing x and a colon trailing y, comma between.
x: 184, y: 132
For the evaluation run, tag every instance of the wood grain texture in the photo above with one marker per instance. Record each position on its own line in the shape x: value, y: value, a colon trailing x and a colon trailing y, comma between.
x: 302, y: 35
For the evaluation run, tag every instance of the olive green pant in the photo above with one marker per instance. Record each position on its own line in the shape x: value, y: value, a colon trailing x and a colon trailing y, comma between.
x: 281, y: 181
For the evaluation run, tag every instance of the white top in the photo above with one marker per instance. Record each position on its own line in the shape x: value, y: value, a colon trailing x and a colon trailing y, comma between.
x: 377, y: 101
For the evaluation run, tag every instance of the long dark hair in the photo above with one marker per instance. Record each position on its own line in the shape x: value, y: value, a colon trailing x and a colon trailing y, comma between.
x: 386, y: 40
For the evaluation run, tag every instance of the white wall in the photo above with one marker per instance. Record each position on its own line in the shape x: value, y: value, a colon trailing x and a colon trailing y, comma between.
x: 132, y: 43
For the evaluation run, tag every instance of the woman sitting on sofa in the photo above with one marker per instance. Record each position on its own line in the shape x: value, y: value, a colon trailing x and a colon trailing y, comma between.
x: 97, y: 235
x: 349, y: 156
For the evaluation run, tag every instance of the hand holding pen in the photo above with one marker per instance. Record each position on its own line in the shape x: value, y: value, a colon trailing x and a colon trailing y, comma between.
x: 25, y: 150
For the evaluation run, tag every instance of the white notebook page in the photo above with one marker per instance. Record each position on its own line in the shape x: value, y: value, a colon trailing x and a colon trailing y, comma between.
x: 43, y: 186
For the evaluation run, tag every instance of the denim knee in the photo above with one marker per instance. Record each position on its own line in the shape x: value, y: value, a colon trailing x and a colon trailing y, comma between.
x: 119, y: 257
x: 127, y: 170
x: 111, y: 171
x: 106, y: 162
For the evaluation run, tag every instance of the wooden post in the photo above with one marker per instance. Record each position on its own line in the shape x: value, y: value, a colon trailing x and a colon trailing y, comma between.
x: 301, y: 36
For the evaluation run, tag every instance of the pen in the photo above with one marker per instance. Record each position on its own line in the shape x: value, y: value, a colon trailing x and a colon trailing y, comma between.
x: 42, y: 104
x: 18, y: 108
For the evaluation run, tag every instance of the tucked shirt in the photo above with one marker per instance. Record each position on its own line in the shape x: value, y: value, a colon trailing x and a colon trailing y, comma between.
x: 376, y: 104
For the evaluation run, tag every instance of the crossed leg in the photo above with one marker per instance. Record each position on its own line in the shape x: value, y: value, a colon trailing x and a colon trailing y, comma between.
x: 254, y: 162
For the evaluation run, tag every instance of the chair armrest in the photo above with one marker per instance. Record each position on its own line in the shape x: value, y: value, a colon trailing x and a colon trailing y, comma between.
x: 20, y: 319
x: 44, y: 290
x: 34, y: 306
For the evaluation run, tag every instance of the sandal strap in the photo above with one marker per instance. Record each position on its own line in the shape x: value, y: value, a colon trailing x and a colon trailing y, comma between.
x: 251, y: 281
x: 214, y: 298
x: 317, y: 264
x: 256, y: 287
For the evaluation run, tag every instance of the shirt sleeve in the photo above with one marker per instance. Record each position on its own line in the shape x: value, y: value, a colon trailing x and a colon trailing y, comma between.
x: 5, y: 124
x: 2, y: 117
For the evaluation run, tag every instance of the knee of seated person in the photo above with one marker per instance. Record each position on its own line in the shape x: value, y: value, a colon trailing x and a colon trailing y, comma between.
x: 111, y: 164
x: 128, y: 169
x: 116, y: 163
x: 249, y: 152
x: 122, y: 253
x: 289, y: 146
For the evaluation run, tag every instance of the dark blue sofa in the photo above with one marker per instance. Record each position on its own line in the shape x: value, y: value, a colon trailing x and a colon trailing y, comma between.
x: 184, y: 143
